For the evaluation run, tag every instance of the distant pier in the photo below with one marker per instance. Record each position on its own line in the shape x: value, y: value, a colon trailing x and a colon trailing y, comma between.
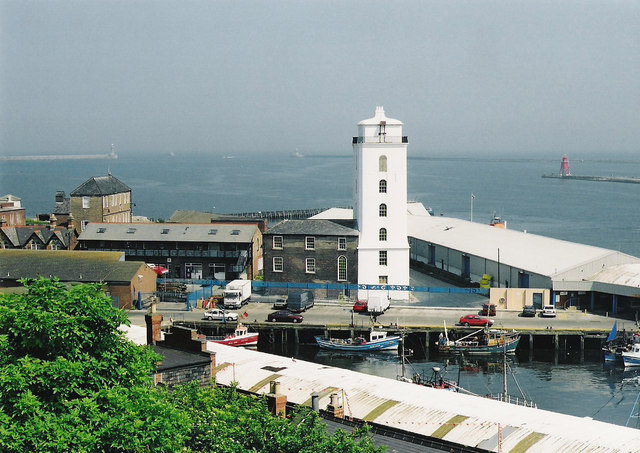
x: 291, y: 214
x: 625, y: 179
x: 110, y: 155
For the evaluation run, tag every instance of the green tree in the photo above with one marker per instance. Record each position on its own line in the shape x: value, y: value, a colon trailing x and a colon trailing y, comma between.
x: 70, y: 381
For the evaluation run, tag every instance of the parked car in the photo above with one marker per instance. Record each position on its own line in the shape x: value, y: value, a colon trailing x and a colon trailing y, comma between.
x: 488, y: 310
x: 299, y: 301
x: 284, y: 316
x: 280, y: 304
x: 475, y: 320
x: 528, y: 311
x: 217, y: 314
x: 360, y: 306
x: 548, y: 311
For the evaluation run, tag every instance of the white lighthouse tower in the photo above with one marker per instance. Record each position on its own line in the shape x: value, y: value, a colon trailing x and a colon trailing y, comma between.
x: 380, y: 205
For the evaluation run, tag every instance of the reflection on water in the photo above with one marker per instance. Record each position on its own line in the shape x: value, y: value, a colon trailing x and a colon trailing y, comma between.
x: 572, y: 384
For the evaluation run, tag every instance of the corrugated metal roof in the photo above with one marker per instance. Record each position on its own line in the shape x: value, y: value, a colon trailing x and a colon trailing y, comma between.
x: 170, y: 232
x: 537, y: 254
x: 624, y: 275
x: 464, y: 419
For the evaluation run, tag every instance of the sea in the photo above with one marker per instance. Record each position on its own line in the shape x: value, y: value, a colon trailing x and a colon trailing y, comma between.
x: 478, y: 188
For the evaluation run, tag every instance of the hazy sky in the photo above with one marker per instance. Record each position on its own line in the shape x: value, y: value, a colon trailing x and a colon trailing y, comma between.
x: 230, y: 76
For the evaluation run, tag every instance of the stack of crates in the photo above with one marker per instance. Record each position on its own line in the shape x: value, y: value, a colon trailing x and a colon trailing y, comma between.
x: 486, y: 281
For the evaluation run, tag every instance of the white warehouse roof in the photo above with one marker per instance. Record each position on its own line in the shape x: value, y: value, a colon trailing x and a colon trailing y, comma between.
x: 530, y: 252
x: 464, y: 419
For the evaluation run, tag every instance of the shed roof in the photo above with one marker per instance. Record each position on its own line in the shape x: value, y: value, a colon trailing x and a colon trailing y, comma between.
x: 68, y: 265
x: 316, y: 227
x: 531, y: 252
x: 464, y: 419
x: 100, y: 186
x: 171, y: 232
x: 204, y: 217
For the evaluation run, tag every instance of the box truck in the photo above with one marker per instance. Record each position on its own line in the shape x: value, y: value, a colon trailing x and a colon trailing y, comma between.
x: 237, y: 293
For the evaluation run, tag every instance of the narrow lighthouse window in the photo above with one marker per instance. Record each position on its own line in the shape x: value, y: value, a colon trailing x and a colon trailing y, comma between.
x: 382, y: 163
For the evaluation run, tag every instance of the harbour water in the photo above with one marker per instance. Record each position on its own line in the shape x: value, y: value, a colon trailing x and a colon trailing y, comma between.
x: 596, y: 213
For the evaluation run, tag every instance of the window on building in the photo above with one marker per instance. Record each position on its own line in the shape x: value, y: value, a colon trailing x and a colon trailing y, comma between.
x: 382, y: 211
x: 309, y: 243
x: 382, y: 163
x: 382, y: 186
x: 277, y: 242
x: 310, y: 265
x: 382, y: 235
x: 382, y: 257
x: 342, y: 268
x: 55, y: 245
x: 383, y: 279
x: 278, y: 264
x: 85, y: 202
x: 342, y: 243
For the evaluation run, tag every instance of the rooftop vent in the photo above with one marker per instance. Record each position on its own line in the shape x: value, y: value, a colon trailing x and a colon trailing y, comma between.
x: 102, y: 230
x: 131, y: 230
x: 213, y: 231
x: 165, y: 231
x: 235, y: 232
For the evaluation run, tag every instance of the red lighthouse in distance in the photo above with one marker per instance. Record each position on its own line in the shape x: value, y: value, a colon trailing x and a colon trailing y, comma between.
x: 564, y: 167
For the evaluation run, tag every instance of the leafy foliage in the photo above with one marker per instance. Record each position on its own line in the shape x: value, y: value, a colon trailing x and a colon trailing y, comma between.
x: 70, y: 381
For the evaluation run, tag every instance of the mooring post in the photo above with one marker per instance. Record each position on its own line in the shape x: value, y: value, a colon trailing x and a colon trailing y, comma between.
x: 297, y: 336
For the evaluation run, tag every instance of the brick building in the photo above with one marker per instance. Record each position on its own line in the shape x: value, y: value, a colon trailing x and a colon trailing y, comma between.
x: 11, y: 211
x: 123, y: 280
x: 311, y: 251
x: 102, y: 199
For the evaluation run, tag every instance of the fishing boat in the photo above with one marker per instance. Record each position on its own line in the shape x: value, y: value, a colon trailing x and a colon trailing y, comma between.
x: 481, y: 342
x: 240, y: 337
x: 379, y: 340
x: 632, y: 358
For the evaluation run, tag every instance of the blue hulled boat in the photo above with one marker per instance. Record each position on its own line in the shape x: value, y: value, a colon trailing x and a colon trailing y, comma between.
x: 378, y: 341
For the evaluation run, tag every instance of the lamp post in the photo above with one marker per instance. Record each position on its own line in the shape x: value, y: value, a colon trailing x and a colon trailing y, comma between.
x: 139, y: 295
x: 473, y: 197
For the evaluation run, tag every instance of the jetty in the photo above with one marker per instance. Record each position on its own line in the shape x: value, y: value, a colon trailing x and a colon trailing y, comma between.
x: 565, y: 173
x: 110, y: 155
x: 625, y: 179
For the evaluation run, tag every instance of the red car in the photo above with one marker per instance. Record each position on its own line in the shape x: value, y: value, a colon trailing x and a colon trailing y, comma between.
x: 284, y: 316
x: 360, y: 306
x: 475, y: 320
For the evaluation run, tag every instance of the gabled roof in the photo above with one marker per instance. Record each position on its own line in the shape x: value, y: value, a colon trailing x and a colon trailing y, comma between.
x: 315, y: 227
x: 169, y: 232
x: 100, y: 186
x: 67, y: 265
x: 19, y: 236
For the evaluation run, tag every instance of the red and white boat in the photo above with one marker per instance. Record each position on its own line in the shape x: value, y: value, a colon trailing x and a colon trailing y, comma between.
x: 241, y: 337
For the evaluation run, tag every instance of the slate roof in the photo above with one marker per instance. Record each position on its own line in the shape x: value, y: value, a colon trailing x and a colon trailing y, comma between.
x: 61, y: 207
x: 87, y: 267
x: 315, y: 227
x: 19, y: 236
x: 100, y: 186
x: 176, y: 358
x: 169, y: 232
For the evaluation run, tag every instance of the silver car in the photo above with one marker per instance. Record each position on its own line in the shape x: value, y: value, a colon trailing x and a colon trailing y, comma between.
x: 217, y: 314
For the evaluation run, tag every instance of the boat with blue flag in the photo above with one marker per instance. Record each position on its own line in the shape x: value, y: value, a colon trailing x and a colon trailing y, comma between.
x: 378, y: 341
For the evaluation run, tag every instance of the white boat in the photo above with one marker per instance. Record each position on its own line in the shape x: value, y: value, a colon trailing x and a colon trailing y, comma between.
x: 632, y: 358
x: 378, y: 341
